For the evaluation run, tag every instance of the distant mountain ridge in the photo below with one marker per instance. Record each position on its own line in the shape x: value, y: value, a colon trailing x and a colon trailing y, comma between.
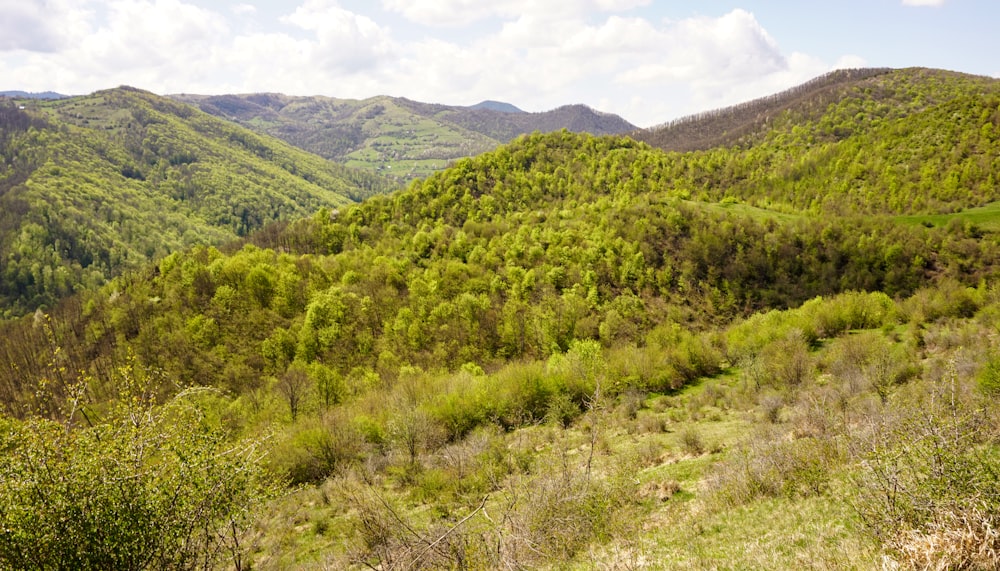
x: 31, y: 95
x: 397, y: 135
x: 496, y: 106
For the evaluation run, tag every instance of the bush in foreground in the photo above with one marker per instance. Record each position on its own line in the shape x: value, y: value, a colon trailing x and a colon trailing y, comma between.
x: 145, y: 487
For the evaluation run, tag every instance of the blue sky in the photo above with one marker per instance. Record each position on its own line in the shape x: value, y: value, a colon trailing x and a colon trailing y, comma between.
x: 649, y: 61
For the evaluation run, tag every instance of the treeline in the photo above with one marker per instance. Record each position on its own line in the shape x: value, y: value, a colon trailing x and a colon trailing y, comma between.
x: 726, y: 126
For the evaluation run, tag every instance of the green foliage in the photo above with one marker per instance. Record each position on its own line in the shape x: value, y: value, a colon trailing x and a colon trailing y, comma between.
x: 767, y: 466
x: 816, y: 319
x: 468, y: 360
x: 318, y: 448
x: 140, y: 487
x: 102, y: 184
x: 909, y: 141
x: 989, y: 377
x: 516, y: 254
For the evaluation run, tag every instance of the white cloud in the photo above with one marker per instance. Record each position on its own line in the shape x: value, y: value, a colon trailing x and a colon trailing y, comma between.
x: 850, y: 61
x: 699, y: 50
x: 150, y: 40
x: 923, y: 2
x: 533, y: 54
x: 244, y: 9
x: 344, y: 41
x: 45, y: 26
x: 646, y: 71
x: 717, y: 61
x: 23, y: 26
x: 451, y: 13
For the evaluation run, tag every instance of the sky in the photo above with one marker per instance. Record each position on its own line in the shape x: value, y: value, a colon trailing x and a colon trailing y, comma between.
x: 649, y: 61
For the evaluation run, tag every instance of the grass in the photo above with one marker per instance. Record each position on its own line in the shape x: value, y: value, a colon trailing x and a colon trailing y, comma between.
x: 753, y: 212
x: 406, y: 146
x: 401, y: 144
x: 672, y: 516
x: 812, y: 533
x: 985, y: 217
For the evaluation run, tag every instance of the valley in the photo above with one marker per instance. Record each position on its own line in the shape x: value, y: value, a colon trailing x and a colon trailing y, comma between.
x: 394, y: 136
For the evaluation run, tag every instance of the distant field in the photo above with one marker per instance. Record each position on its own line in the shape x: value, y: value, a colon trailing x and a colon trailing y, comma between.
x: 406, y: 169
x: 985, y: 217
x: 754, y: 212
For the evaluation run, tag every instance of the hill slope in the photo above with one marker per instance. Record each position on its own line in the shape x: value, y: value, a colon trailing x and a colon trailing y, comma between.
x: 727, y: 126
x: 394, y: 135
x: 511, y: 255
x: 90, y: 186
x: 909, y: 141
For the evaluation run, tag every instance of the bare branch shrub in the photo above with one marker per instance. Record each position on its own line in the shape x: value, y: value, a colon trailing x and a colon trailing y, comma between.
x: 929, y: 487
x: 771, y: 465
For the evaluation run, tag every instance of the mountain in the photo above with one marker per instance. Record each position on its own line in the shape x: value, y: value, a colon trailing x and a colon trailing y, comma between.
x: 30, y: 95
x: 908, y: 141
x: 496, y: 106
x: 747, y: 122
x: 91, y: 186
x: 570, y: 351
x: 727, y: 126
x: 396, y: 136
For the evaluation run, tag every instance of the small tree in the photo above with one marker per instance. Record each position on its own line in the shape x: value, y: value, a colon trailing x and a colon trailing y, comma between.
x: 293, y: 385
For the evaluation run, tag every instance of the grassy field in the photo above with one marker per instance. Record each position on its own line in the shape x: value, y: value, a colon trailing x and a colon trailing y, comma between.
x: 407, y: 146
x: 985, y: 217
x: 669, y: 446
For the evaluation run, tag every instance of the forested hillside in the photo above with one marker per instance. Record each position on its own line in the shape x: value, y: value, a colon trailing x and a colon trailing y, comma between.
x: 91, y: 186
x: 396, y: 136
x: 911, y: 141
x: 570, y: 352
x: 731, y: 125
x: 511, y: 255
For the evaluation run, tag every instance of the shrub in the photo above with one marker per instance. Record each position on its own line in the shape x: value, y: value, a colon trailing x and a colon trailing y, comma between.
x: 768, y: 465
x: 989, y: 377
x: 929, y: 485
x: 550, y: 516
x: 650, y: 423
x: 787, y: 360
x: 317, y: 449
x: 691, y: 441
x: 147, y: 487
x: 562, y: 410
x: 685, y: 357
x: 850, y: 310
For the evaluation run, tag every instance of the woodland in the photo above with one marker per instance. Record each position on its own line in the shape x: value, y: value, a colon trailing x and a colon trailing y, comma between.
x: 775, y: 348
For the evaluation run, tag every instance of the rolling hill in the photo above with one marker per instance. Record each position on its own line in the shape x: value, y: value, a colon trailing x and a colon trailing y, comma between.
x: 93, y: 185
x: 397, y: 136
x: 574, y: 352
x: 909, y: 141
